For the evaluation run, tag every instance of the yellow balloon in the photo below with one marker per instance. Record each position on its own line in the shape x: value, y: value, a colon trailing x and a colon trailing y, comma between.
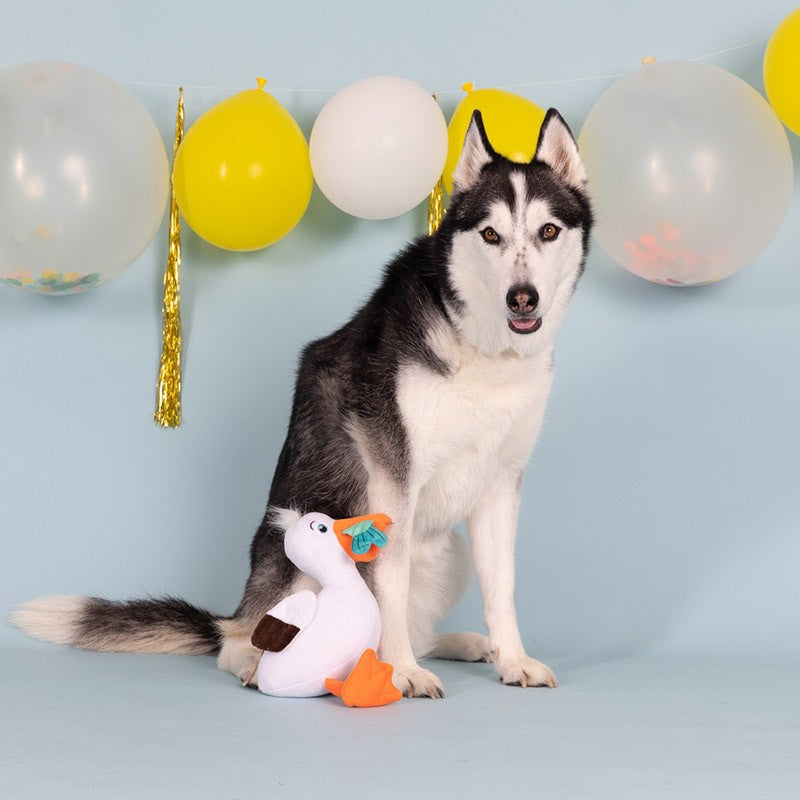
x: 242, y: 173
x: 782, y: 71
x: 512, y: 124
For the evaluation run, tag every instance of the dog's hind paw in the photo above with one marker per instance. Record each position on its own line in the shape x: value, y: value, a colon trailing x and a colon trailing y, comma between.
x: 238, y: 656
x: 414, y: 681
x: 462, y: 647
x: 248, y: 675
x: 525, y: 671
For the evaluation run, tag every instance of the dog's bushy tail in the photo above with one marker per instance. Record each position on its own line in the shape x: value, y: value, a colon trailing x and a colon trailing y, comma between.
x: 164, y: 625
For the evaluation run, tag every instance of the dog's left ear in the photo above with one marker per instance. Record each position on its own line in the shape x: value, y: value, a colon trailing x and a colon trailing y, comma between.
x: 475, y: 155
x: 557, y: 149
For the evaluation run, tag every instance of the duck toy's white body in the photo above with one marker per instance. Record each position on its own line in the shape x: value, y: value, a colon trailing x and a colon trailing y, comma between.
x: 313, y: 639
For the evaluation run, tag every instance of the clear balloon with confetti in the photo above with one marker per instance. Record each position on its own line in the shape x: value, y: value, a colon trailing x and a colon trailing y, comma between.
x: 83, y: 178
x: 690, y: 172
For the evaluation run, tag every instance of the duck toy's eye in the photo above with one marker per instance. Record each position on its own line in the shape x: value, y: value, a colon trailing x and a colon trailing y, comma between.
x: 319, y: 527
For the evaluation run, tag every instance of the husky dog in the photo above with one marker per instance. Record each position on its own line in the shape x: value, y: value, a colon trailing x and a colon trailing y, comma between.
x: 425, y: 406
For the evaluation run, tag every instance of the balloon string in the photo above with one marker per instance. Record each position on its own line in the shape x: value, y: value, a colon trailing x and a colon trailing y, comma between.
x: 730, y: 49
x: 438, y: 91
x: 548, y: 83
x: 612, y: 75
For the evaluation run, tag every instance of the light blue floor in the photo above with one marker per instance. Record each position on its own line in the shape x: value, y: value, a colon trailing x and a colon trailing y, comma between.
x: 85, y: 725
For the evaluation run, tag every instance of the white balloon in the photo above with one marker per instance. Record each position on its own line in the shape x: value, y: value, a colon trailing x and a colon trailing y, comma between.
x: 83, y: 177
x: 378, y: 147
x: 690, y: 172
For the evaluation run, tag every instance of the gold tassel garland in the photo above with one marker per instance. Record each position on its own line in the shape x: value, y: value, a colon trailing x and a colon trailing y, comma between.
x: 435, y: 207
x: 436, y: 201
x: 168, y: 393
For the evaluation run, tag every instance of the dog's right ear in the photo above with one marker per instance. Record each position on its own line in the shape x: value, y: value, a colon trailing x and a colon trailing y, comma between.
x: 475, y: 155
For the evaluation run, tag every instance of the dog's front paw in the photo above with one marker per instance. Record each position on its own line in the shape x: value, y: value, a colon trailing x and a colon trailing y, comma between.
x: 525, y: 671
x: 414, y: 681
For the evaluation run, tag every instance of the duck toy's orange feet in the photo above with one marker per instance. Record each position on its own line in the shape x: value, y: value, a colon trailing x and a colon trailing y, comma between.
x: 368, y: 685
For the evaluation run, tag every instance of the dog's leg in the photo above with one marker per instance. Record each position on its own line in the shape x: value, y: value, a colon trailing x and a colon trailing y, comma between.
x: 391, y: 590
x: 492, y: 529
x: 392, y: 579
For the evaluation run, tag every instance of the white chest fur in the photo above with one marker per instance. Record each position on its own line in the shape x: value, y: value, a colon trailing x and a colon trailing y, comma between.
x: 467, y: 427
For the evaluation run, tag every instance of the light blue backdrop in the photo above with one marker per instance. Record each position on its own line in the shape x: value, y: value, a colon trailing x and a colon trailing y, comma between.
x: 660, y: 510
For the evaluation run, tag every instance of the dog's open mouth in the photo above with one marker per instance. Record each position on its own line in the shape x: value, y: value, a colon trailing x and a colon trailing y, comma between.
x: 525, y: 324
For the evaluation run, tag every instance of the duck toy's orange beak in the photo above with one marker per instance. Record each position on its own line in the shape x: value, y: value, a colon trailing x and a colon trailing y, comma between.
x: 362, y: 537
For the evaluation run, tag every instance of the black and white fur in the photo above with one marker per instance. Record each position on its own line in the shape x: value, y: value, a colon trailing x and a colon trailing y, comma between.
x: 425, y: 406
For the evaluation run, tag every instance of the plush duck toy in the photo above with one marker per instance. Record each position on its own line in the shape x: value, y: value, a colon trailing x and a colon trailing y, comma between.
x: 319, y: 643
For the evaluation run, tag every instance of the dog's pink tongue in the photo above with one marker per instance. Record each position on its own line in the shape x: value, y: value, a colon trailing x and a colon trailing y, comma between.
x: 523, y: 324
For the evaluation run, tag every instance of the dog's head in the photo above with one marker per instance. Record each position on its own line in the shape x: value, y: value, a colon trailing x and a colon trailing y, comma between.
x: 516, y: 237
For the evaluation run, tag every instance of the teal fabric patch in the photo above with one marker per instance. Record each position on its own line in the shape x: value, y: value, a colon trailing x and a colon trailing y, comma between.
x: 365, y: 534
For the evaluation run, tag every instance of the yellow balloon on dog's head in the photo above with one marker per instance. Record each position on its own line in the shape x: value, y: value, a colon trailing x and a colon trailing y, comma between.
x: 242, y: 174
x: 512, y: 126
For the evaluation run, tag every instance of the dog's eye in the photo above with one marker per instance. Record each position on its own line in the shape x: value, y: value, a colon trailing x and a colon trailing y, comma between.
x: 490, y: 235
x: 549, y: 232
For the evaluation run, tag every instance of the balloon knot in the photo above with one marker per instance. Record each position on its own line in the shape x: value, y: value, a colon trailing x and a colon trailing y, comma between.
x: 468, y: 87
x: 262, y: 82
x: 648, y: 60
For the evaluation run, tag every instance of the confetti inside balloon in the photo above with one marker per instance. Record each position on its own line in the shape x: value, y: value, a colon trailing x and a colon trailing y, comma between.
x: 83, y: 178
x: 686, y: 190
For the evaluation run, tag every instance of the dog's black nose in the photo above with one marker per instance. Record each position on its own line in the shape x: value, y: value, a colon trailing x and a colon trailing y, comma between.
x: 522, y: 298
